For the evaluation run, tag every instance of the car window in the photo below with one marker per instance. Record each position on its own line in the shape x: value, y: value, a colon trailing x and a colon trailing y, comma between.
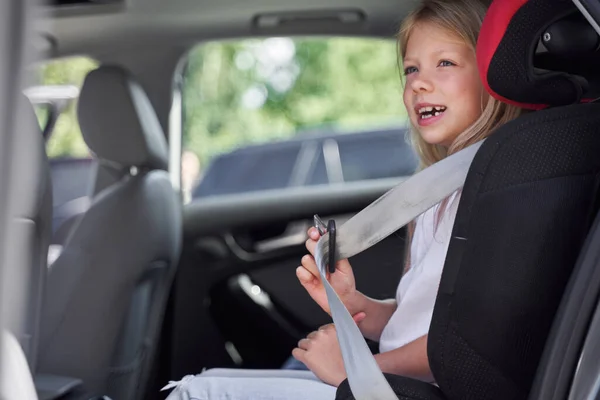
x: 250, y: 170
x: 245, y: 102
x: 376, y: 156
x: 319, y: 173
x: 43, y: 112
x: 65, y: 140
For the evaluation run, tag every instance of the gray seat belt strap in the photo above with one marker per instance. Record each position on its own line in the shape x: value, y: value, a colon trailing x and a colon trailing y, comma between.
x: 384, y: 216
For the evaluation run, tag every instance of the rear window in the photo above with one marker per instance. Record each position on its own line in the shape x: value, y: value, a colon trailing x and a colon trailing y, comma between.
x: 280, y: 112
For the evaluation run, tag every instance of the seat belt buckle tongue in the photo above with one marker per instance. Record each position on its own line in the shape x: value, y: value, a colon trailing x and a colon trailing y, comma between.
x: 329, y: 228
x: 320, y: 225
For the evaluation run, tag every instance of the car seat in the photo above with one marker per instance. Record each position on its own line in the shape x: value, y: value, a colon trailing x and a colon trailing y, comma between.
x: 529, y: 200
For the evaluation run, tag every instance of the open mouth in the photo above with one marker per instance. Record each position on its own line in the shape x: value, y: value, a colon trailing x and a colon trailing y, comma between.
x: 427, y: 112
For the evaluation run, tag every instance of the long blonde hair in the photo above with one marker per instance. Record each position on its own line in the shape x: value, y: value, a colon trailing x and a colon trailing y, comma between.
x: 464, y: 19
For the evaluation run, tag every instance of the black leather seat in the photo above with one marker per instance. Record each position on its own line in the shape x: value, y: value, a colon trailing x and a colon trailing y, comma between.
x: 529, y: 200
x: 108, y: 289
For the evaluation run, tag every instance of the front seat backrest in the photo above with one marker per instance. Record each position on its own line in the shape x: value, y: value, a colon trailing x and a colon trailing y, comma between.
x: 30, y: 232
x: 108, y: 289
x: 530, y: 197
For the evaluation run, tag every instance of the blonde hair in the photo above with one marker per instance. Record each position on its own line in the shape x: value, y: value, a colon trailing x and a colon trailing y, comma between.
x: 463, y: 18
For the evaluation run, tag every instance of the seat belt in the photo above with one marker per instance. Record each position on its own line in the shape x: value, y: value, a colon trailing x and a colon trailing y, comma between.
x: 384, y: 216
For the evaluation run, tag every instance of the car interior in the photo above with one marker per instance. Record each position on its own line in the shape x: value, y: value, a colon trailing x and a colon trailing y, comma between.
x: 117, y: 278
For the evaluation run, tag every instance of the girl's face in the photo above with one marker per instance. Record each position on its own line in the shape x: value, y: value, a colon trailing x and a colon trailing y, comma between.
x: 443, y: 93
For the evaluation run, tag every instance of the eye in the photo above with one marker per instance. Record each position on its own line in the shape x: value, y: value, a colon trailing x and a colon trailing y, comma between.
x: 410, y: 70
x: 446, y: 63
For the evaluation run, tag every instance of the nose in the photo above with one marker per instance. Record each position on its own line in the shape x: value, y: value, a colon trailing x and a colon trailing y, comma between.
x: 421, y: 83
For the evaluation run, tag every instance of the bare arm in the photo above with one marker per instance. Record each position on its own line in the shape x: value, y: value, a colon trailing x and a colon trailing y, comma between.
x: 378, y: 313
x: 409, y: 360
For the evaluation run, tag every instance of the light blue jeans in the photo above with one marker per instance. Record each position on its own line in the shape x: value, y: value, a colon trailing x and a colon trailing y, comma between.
x: 236, y: 384
x: 292, y: 363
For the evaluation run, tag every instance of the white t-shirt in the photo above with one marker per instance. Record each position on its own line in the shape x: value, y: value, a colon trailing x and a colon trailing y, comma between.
x: 418, y: 288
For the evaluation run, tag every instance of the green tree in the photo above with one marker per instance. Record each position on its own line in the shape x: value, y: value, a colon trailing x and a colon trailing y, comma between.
x: 66, y: 139
x: 250, y: 91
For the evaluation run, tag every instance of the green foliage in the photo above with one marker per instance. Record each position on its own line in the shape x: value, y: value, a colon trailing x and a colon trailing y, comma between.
x: 249, y: 91
x: 66, y: 139
x: 242, y: 92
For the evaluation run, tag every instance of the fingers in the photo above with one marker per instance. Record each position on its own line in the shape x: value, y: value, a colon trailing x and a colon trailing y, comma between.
x: 313, y: 233
x: 307, y: 273
x: 308, y: 262
x: 313, y: 238
x: 305, y: 276
x: 299, y: 354
x: 359, y: 317
x: 304, y: 344
x: 311, y: 245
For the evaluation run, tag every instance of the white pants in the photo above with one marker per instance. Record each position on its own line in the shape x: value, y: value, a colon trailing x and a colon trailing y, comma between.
x: 236, y: 384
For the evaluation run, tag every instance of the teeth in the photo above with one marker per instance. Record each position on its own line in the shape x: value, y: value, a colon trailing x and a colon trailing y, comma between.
x: 437, y: 113
x: 430, y: 109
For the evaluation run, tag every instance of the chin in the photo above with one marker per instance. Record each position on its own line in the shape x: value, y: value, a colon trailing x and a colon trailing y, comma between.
x: 437, y: 136
x: 432, y: 139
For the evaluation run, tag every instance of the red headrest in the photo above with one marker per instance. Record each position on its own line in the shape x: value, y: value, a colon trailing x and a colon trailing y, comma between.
x: 506, y: 54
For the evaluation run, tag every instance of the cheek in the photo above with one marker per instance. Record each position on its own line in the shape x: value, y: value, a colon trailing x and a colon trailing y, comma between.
x: 407, y: 97
x: 469, y: 93
x: 408, y: 105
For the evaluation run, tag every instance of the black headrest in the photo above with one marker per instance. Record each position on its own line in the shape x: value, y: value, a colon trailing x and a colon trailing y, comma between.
x: 538, y: 53
x: 118, y: 122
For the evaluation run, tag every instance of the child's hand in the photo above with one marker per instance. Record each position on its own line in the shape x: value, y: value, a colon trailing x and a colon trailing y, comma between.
x: 320, y: 352
x: 342, y: 280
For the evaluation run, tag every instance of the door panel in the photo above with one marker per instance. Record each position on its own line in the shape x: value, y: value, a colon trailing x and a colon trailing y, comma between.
x: 236, y: 300
x: 377, y: 272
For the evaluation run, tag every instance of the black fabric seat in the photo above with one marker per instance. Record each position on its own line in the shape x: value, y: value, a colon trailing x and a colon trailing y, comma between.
x: 405, y: 389
x: 529, y: 200
x: 107, y: 292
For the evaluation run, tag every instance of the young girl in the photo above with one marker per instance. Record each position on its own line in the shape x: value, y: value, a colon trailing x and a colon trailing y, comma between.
x: 449, y: 110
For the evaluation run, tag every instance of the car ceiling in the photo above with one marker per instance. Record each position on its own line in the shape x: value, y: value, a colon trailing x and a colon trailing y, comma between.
x: 94, y: 28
